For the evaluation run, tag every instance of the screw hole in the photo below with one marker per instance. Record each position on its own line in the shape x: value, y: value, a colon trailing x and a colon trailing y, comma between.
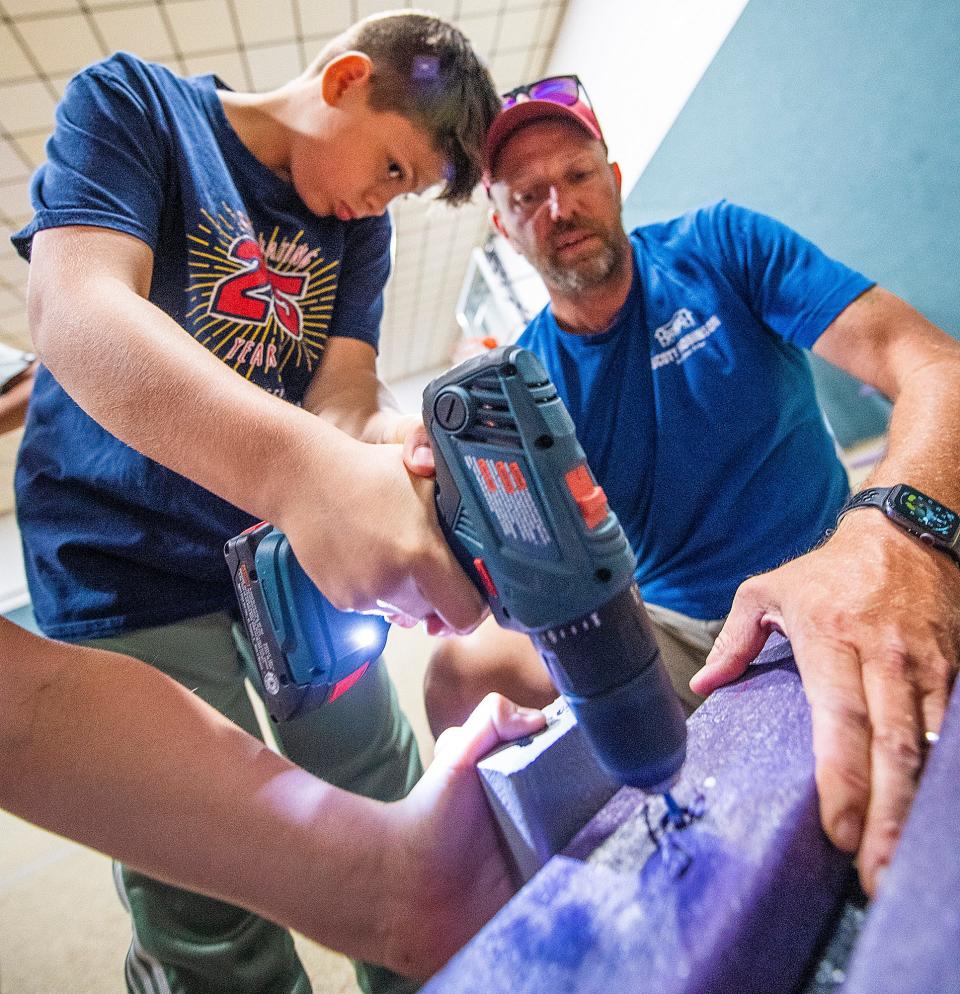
x: 543, y: 441
x: 603, y: 574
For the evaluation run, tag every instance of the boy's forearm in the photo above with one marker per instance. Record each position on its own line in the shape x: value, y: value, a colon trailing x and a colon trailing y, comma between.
x: 107, y: 751
x: 348, y: 393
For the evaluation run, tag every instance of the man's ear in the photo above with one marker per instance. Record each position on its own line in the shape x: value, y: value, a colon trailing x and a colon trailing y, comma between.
x: 341, y: 73
x: 618, y: 176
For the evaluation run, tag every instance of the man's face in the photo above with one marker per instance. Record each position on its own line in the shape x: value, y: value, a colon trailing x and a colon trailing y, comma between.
x: 351, y: 161
x: 557, y: 201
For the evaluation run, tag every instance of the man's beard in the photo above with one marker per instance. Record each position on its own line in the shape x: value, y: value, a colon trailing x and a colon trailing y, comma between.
x: 589, y: 273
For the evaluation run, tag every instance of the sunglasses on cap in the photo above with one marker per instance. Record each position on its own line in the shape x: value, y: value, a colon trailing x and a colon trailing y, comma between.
x: 563, y: 90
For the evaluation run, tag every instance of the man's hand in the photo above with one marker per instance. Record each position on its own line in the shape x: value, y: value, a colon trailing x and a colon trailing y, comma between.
x: 874, y: 620
x: 447, y: 875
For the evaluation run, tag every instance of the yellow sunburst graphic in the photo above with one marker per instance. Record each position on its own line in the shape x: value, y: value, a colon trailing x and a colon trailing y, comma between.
x: 258, y: 302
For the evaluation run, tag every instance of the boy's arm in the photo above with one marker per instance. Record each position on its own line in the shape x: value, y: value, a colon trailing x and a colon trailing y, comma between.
x: 346, y: 391
x: 14, y: 400
x: 108, y: 751
x: 136, y: 372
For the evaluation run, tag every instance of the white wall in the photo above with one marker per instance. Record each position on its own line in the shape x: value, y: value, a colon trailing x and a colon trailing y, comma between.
x: 640, y: 60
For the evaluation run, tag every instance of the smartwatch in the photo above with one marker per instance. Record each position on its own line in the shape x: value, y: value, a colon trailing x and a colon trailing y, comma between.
x: 914, y: 512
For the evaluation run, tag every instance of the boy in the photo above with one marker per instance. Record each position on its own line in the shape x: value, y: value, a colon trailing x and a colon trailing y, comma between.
x: 256, y: 224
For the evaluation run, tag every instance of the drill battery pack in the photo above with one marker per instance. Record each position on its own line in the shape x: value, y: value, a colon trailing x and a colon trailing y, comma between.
x: 307, y: 652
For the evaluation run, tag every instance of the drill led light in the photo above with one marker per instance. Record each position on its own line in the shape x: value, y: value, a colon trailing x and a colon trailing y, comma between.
x: 365, y: 636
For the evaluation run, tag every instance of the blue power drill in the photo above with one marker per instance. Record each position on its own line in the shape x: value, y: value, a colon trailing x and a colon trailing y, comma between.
x: 531, y: 527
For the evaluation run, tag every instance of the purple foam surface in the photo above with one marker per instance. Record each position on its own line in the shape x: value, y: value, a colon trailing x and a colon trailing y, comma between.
x: 745, y: 916
x: 525, y: 785
x: 910, y: 943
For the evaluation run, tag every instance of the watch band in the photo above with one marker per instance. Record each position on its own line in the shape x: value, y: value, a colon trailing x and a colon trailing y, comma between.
x: 885, y: 499
x: 871, y: 497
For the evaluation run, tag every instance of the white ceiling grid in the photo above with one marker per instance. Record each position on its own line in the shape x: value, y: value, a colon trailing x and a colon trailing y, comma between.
x: 254, y: 44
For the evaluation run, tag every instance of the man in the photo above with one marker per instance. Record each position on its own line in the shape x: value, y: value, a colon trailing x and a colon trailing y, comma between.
x: 206, y: 284
x: 678, y: 350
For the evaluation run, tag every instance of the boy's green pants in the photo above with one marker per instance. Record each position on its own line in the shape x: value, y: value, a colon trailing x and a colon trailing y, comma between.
x: 184, y: 943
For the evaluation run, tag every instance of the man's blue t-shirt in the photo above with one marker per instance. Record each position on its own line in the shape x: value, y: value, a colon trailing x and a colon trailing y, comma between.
x: 114, y: 541
x: 696, y: 408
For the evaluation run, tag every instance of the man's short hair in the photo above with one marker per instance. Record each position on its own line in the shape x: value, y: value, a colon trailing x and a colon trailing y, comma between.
x: 426, y: 69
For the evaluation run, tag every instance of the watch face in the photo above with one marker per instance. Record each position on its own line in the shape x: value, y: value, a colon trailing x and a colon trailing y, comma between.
x: 927, y: 513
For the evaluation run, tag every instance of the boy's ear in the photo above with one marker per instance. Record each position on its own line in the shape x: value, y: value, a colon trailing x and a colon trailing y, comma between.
x: 341, y: 73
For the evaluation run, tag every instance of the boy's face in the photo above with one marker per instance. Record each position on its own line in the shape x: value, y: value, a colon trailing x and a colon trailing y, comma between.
x: 351, y: 161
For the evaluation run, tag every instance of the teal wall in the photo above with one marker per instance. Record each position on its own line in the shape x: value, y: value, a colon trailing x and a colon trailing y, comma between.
x: 842, y: 119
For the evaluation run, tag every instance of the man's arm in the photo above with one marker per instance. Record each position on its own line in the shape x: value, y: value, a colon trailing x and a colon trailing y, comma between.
x: 137, y: 373
x: 872, y: 613
x: 108, y: 751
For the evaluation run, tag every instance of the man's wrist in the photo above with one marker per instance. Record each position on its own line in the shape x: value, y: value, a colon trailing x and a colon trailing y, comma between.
x: 908, y: 510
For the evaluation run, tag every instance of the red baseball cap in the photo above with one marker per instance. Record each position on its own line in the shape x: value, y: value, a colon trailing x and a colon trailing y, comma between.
x: 524, y: 112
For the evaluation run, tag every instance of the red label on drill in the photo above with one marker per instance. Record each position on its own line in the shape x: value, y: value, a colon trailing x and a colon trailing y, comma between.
x: 502, y: 483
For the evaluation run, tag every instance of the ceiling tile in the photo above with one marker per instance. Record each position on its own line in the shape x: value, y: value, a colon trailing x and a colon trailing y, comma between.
x: 551, y: 21
x: 519, y: 27
x: 12, y: 165
x: 15, y: 198
x: 112, y: 3
x: 470, y: 7
x: 367, y: 7
x: 328, y: 18
x: 509, y: 68
x: 17, y: 8
x: 14, y: 63
x: 135, y: 29
x: 537, y: 61
x: 33, y: 147
x: 6, y: 249
x: 274, y: 65
x: 26, y: 107
x: 16, y: 329
x: 482, y: 32
x: 10, y: 302
x: 263, y: 22
x: 447, y: 9
x: 61, y: 44
x: 227, y: 65
x: 201, y: 25
x: 13, y: 271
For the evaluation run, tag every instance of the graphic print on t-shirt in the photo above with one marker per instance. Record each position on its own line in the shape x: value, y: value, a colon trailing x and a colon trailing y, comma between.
x: 678, y: 341
x: 258, y: 303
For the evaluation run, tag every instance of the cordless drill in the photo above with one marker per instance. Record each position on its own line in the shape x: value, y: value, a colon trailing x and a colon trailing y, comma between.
x: 531, y: 527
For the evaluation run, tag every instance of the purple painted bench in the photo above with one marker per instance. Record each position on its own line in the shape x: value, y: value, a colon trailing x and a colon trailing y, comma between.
x: 613, y: 912
x: 911, y: 941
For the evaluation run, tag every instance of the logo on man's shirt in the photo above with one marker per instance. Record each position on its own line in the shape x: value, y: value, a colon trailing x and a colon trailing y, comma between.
x: 258, y: 303
x: 681, y: 336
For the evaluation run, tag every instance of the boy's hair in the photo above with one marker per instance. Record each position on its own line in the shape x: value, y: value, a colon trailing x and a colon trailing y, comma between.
x: 427, y: 70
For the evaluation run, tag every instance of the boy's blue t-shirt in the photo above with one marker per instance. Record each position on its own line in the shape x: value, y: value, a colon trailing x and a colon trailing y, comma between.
x: 697, y: 410
x: 114, y: 541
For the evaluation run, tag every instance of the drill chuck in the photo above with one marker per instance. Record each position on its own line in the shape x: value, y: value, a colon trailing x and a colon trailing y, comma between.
x: 607, y: 665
